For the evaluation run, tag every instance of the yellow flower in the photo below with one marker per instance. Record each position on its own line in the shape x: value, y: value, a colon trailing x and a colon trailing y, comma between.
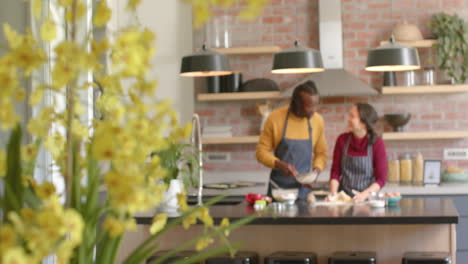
x: 205, y: 217
x: 64, y: 252
x: 40, y: 125
x: 45, y: 190
x: 62, y: 74
x: 80, y: 11
x: 103, y: 147
x: 130, y: 224
x: 55, y: 144
x: 65, y: 3
x: 48, y: 30
x: 189, y: 220
x: 8, y: 77
x: 8, y: 117
x: 203, y: 243
x: 29, y: 152
x: 13, y: 38
x: 225, y: 223
x: 111, y: 107
x: 2, y: 163
x: 99, y: 47
x: 17, y: 222
x: 25, y: 53
x: 74, y: 225
x: 20, y: 94
x: 36, y: 96
x: 36, y: 8
x: 103, y: 14
x: 15, y: 255
x: 201, y: 11
x: 146, y: 87
x: 27, y: 214
x: 182, y: 201
x: 79, y: 130
x: 158, y: 224
x: 132, y: 4
x: 113, y: 226
x: 7, y: 237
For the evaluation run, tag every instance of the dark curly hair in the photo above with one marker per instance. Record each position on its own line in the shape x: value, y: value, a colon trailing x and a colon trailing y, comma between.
x: 369, y: 117
x: 307, y: 87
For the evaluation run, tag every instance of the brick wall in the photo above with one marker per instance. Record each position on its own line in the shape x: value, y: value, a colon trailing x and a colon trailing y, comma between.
x: 365, y: 24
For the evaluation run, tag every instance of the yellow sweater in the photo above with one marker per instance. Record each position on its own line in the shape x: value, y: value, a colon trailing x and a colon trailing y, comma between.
x: 297, y: 129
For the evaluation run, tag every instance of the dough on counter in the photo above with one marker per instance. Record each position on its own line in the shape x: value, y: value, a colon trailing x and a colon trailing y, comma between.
x: 311, y: 198
x: 341, y: 197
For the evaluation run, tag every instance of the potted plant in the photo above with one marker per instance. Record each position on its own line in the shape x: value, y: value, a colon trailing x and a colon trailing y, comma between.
x: 452, y: 45
x: 181, y: 167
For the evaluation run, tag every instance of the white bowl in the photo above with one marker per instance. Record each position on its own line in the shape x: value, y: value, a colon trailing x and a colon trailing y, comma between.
x: 285, y: 195
x: 308, y: 177
x: 377, y: 203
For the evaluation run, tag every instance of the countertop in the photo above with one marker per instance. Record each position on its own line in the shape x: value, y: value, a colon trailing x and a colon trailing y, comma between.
x: 442, y: 189
x: 408, y: 211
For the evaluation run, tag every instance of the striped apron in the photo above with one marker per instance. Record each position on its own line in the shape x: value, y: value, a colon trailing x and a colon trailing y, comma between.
x: 299, y: 153
x: 357, y: 173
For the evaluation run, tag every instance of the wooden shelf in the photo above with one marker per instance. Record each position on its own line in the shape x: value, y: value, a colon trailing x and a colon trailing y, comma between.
x: 389, y: 136
x: 424, y: 43
x: 239, y: 96
x: 248, y: 50
x: 393, y: 136
x: 425, y: 89
x: 231, y: 140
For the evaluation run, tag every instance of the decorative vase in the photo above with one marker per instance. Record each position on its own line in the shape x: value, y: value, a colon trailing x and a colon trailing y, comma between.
x: 170, y: 196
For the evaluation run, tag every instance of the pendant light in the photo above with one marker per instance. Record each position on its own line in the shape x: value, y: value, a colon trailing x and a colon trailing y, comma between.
x: 297, y: 59
x: 392, y: 57
x: 204, y: 63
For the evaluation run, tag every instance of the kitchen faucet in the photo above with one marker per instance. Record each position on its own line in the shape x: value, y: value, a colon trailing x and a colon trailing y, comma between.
x: 196, y: 139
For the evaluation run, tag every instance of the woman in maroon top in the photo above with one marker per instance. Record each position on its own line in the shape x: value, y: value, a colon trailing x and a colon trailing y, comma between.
x: 359, y: 159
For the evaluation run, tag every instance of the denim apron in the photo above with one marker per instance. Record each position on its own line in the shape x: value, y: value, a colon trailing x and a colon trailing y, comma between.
x: 357, y: 173
x: 297, y: 152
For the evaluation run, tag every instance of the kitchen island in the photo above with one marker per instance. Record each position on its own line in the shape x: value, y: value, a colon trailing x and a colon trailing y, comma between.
x: 415, y: 224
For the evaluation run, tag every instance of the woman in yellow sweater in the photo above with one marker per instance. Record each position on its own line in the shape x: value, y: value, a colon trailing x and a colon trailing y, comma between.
x: 293, y: 140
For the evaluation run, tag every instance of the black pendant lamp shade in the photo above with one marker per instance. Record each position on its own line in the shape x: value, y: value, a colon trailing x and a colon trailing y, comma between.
x: 297, y: 60
x: 393, y: 57
x: 204, y: 63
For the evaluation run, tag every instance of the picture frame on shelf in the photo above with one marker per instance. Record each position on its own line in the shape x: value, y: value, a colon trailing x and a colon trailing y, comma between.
x: 432, y: 172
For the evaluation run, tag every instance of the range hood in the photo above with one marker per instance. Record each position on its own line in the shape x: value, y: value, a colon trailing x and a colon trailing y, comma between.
x: 335, y: 80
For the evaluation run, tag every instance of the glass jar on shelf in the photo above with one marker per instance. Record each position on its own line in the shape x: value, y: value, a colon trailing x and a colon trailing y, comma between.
x: 418, y: 169
x: 406, y: 169
x: 393, y: 171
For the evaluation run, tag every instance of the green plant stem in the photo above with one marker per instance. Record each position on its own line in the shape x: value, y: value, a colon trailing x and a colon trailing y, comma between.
x: 206, y: 235
x: 207, y: 254
x: 13, y: 183
x: 172, y: 224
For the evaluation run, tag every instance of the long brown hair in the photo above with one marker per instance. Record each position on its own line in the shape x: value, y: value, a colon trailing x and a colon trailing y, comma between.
x: 368, y: 117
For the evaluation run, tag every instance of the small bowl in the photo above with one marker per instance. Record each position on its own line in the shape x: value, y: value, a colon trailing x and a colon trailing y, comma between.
x: 377, y: 199
x: 393, y: 200
x: 308, y: 177
x: 285, y: 195
x: 397, y: 121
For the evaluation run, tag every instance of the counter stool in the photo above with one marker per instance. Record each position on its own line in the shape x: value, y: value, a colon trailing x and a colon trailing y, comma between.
x: 180, y: 255
x: 241, y: 257
x: 352, y: 257
x: 426, y: 258
x: 284, y: 257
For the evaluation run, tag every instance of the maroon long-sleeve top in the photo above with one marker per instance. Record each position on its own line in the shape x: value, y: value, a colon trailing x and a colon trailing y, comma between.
x: 358, y: 147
